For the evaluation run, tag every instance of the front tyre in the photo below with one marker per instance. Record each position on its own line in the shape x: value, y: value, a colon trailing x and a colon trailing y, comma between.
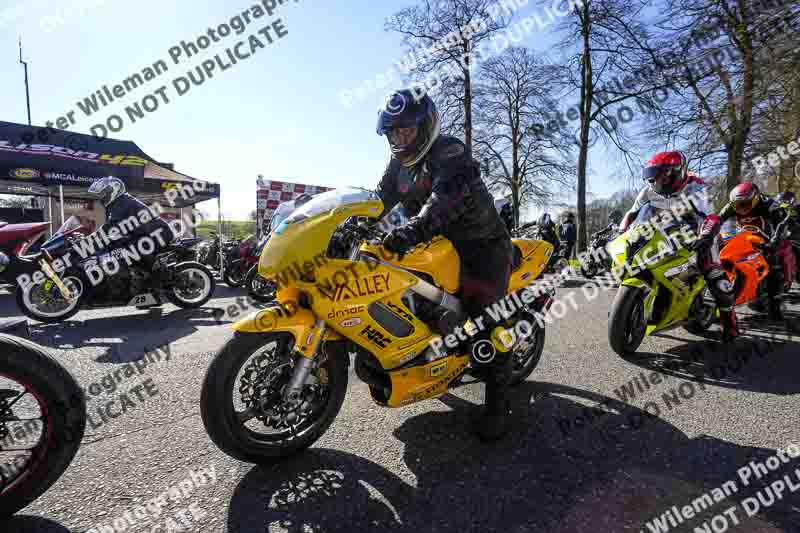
x: 626, y: 322
x: 242, y: 403
x: 259, y: 288
x: 192, y: 285
x: 45, y: 303
x: 33, y: 383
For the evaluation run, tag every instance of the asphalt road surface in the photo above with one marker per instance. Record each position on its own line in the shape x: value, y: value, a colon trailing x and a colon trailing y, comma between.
x: 589, y: 452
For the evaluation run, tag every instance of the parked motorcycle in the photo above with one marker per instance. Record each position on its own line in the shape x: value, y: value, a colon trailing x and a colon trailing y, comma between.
x: 661, y: 285
x: 246, y: 256
x: 58, y: 296
x: 16, y: 239
x: 598, y: 261
x: 42, y: 422
x: 278, y: 384
x: 258, y: 287
x: 208, y: 252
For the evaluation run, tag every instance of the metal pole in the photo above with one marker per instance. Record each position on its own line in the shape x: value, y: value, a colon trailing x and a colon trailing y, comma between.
x: 50, y: 211
x: 27, y: 92
x: 219, y: 233
x: 61, y: 195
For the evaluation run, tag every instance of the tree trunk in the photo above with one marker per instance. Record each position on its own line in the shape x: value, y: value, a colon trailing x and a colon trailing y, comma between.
x: 467, y: 110
x: 587, y: 93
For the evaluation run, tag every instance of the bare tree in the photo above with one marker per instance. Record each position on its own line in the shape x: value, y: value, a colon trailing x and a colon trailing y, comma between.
x: 514, y: 98
x: 443, y: 38
x: 720, y: 56
x: 608, y: 34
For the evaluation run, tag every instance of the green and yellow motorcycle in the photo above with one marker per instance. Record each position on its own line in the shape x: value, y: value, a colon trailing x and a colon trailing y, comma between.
x: 661, y: 286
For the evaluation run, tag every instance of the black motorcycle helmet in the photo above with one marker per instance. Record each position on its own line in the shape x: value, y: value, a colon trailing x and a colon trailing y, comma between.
x: 406, y: 109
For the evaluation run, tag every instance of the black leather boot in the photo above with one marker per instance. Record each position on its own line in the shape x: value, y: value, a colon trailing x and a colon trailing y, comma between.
x: 730, y: 325
x: 775, y: 311
x: 495, y: 420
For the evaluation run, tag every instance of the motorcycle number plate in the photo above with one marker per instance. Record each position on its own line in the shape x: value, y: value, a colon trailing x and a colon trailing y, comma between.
x: 142, y: 300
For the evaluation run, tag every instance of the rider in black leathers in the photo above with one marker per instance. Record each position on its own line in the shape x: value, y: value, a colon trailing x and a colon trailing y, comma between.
x: 439, y: 185
x: 131, y: 217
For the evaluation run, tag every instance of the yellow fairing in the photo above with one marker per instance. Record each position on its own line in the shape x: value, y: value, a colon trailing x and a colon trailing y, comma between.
x: 353, y: 298
x: 439, y: 260
x: 301, y: 247
x: 425, y: 381
x: 535, y: 255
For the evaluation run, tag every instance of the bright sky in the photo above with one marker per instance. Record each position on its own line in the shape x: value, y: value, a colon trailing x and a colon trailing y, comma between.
x: 276, y: 113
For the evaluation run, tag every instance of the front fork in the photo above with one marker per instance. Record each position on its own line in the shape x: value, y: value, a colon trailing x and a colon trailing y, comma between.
x: 50, y: 273
x: 305, y: 363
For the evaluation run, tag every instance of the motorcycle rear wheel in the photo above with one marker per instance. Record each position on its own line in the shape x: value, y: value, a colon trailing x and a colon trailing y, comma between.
x: 626, y: 321
x: 528, y: 355
x: 226, y: 426
x: 174, y: 294
x: 589, y: 270
x: 702, y: 315
x: 63, y: 409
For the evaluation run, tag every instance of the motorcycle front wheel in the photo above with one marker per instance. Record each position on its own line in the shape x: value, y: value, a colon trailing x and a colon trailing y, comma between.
x: 626, y: 321
x: 45, y: 303
x: 41, y: 406
x: 259, y: 289
x: 242, y: 403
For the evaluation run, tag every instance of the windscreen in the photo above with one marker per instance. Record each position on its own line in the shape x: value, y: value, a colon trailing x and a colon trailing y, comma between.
x: 325, y: 202
x: 70, y: 224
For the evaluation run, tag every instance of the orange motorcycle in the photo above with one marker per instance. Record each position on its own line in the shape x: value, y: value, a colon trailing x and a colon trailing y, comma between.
x: 743, y: 258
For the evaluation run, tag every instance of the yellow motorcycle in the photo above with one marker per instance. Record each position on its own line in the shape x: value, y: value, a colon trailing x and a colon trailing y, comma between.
x: 276, y: 386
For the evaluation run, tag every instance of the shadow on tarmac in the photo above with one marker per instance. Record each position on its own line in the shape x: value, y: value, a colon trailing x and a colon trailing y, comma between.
x: 32, y: 524
x: 127, y: 338
x: 616, y: 473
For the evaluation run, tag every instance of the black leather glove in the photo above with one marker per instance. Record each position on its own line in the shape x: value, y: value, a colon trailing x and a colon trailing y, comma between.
x: 399, y: 240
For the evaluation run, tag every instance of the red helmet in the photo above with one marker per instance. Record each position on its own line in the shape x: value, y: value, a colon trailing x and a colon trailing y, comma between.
x: 744, y: 197
x: 666, y: 172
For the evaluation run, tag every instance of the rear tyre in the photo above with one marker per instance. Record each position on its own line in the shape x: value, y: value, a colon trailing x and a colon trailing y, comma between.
x: 235, y: 273
x: 193, y: 286
x: 589, y: 270
x: 626, y: 322
x: 63, y: 412
x: 225, y: 424
x: 528, y: 354
x: 702, y: 314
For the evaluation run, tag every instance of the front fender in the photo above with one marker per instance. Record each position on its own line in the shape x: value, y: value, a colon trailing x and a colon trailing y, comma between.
x: 285, y: 318
x: 651, y: 292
